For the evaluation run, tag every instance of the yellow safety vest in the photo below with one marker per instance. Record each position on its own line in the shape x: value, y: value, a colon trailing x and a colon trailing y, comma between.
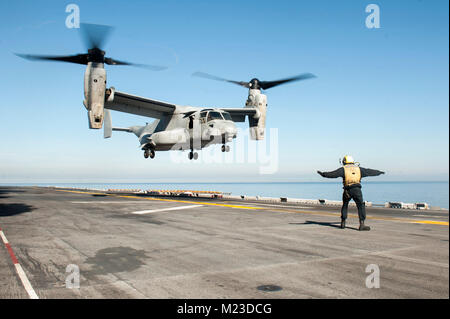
x: 352, y: 175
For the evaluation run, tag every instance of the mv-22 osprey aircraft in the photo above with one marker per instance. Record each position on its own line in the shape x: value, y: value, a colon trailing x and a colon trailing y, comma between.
x: 175, y: 127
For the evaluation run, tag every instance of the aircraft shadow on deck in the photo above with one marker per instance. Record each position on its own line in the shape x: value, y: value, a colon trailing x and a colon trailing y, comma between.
x: 6, y: 190
x: 14, y: 209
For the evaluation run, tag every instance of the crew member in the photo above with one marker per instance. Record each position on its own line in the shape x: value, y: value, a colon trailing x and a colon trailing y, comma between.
x: 351, y: 175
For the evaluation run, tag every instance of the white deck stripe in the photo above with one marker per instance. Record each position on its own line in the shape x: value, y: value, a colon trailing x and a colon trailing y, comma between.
x: 285, y: 206
x: 142, y: 212
x: 412, y: 260
x: 23, y: 277
x: 26, y: 283
x: 3, y: 237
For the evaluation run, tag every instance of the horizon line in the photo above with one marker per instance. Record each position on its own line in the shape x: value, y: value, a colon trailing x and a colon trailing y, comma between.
x: 225, y: 182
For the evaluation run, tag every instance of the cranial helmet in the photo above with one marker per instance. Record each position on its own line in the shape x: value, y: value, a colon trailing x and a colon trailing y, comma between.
x: 348, y: 160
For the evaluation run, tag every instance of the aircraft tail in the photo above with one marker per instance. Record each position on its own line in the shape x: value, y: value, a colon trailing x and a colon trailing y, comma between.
x: 108, y: 128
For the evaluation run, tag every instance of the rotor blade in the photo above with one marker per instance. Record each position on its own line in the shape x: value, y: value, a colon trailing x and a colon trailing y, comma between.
x: 213, y: 77
x: 112, y: 61
x: 79, y: 58
x: 269, y: 84
x: 94, y: 35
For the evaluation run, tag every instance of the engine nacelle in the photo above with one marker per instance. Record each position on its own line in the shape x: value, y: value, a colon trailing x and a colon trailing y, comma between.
x: 257, y: 125
x: 94, y: 93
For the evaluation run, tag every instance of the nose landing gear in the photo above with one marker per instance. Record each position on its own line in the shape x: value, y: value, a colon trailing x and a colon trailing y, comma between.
x: 149, y: 153
x: 225, y: 148
x: 193, y: 155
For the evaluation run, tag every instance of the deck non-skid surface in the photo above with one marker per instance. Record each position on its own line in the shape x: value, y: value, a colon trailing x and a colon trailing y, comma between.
x: 130, y: 246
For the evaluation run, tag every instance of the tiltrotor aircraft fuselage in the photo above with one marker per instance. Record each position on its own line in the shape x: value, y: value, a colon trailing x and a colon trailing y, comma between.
x: 175, y: 127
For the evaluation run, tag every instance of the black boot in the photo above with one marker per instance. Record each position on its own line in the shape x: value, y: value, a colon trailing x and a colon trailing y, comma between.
x: 363, y: 227
x: 342, y: 223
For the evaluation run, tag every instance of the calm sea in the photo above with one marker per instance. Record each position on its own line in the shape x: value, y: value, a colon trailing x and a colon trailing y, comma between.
x: 433, y: 193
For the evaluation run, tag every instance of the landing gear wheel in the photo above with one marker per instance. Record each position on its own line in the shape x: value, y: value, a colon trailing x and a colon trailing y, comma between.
x: 227, y: 148
x: 193, y: 155
x: 223, y: 148
x: 146, y: 153
x: 152, y: 154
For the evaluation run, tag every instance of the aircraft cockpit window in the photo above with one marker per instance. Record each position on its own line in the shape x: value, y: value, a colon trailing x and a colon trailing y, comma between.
x: 214, y: 116
x: 226, y: 116
x: 203, y: 114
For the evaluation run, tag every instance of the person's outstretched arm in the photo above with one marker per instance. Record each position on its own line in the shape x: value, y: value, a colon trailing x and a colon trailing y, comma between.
x: 370, y: 172
x: 333, y: 174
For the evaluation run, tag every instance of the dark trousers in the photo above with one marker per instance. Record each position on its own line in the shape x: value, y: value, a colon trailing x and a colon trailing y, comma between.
x: 355, y: 194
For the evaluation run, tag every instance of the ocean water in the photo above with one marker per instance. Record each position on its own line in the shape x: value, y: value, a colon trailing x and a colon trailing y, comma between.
x: 433, y: 193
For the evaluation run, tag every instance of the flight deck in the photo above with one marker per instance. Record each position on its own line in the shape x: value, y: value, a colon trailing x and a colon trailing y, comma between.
x: 141, y: 246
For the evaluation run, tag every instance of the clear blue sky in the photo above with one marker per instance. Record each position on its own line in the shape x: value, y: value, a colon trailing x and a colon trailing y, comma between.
x: 380, y: 94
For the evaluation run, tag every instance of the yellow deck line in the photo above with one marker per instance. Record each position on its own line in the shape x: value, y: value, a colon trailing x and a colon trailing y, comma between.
x: 431, y: 222
x: 395, y: 219
x: 164, y: 200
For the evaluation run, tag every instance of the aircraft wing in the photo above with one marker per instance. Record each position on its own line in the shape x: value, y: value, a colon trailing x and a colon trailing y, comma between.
x: 124, y: 102
x: 238, y: 115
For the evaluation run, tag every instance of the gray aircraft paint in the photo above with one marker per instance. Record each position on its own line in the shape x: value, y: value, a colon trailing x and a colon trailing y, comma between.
x: 180, y: 127
x: 94, y: 93
x: 259, y: 101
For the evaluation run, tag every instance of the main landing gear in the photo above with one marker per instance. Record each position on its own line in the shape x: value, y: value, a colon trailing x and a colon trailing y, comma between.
x: 148, y: 153
x: 193, y: 155
x: 225, y: 148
